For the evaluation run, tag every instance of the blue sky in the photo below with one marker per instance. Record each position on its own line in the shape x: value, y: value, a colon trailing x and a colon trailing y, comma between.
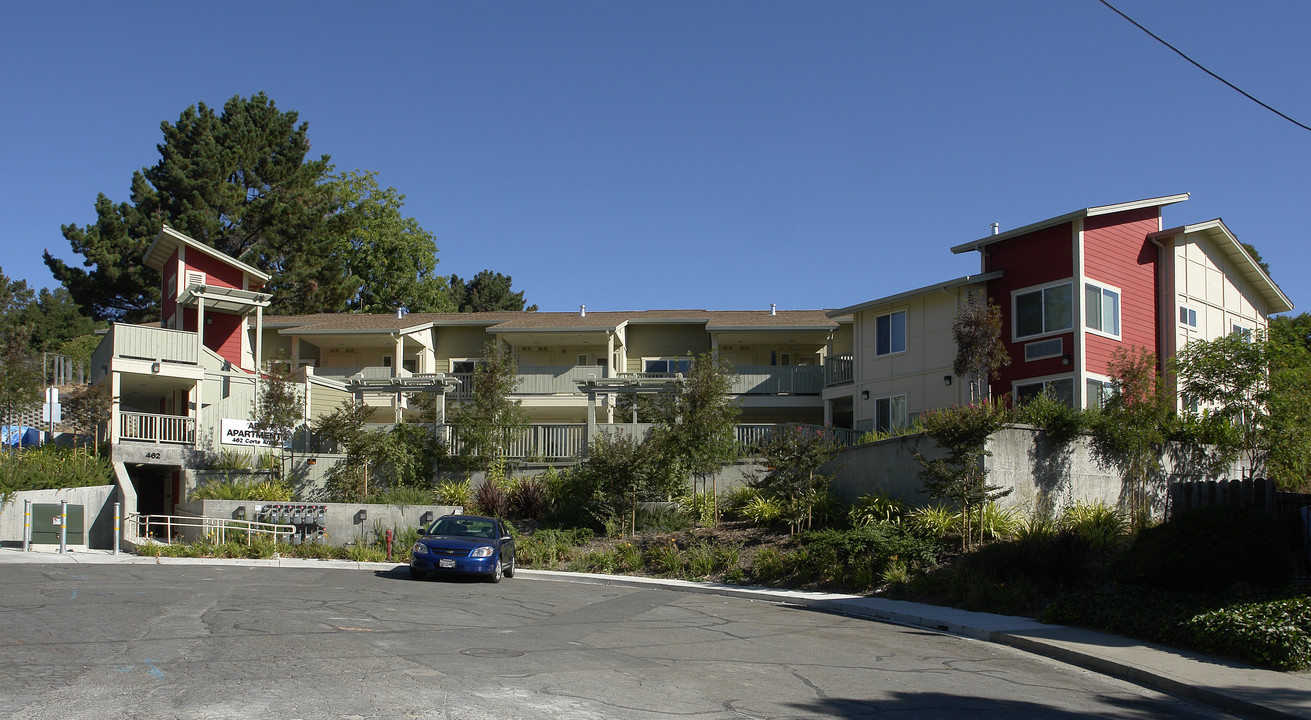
x: 717, y: 155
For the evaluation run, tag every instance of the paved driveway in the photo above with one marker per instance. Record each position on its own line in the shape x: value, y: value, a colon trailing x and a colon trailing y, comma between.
x: 141, y: 641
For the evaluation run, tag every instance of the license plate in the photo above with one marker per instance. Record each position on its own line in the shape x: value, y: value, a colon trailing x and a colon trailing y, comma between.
x: 446, y: 563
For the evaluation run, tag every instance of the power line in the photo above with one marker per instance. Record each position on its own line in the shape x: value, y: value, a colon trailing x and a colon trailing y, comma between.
x: 1202, y: 67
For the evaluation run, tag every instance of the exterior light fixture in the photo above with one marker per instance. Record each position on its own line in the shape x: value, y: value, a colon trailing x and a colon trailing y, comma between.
x: 946, y: 380
x: 864, y: 394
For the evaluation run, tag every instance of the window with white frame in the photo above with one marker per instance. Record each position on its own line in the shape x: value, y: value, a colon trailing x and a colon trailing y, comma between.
x: 1043, y: 310
x: 464, y: 367
x: 890, y: 413
x: 667, y: 366
x: 1243, y: 330
x: 1058, y: 389
x: 1098, y: 392
x: 890, y: 333
x: 1101, y: 308
x: 1188, y: 317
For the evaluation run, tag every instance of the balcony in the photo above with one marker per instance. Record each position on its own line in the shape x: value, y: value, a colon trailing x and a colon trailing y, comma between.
x: 839, y: 370
x: 148, y: 427
x: 152, y: 344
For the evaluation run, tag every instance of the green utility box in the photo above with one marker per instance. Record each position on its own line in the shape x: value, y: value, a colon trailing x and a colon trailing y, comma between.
x: 45, y: 524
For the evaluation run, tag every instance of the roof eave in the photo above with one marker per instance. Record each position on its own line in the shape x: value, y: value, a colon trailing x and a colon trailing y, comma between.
x: 1085, y: 212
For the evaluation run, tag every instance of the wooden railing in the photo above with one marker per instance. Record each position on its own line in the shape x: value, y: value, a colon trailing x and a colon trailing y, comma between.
x: 149, y: 427
x: 839, y: 370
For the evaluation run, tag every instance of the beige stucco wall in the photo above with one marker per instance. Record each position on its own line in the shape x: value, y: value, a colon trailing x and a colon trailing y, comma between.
x: 657, y: 341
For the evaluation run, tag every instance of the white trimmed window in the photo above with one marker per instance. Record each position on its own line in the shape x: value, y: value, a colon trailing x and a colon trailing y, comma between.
x: 1059, y: 389
x: 1188, y: 317
x: 667, y: 366
x: 1244, y: 330
x: 890, y: 333
x: 1098, y: 392
x: 890, y: 413
x: 1043, y: 310
x: 1102, y: 308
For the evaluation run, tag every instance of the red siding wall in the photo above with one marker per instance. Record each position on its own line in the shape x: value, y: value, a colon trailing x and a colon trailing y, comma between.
x: 1117, y: 252
x: 1036, y: 258
x: 216, y: 271
x: 169, y: 305
x: 222, y: 331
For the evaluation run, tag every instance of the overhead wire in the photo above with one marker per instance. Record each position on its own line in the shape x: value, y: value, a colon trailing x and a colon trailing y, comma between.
x: 1202, y: 67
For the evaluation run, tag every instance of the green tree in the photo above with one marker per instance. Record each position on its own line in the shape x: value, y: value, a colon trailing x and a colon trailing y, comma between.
x: 1231, y: 376
x: 1129, y: 430
x: 392, y: 257
x: 20, y: 374
x: 961, y: 476
x: 54, y: 320
x: 86, y: 411
x: 621, y: 471
x: 361, y: 472
x: 794, y: 455
x: 490, y: 420
x: 696, y: 424
x: 239, y: 181
x: 980, y: 353
x: 280, y: 409
x: 485, y: 292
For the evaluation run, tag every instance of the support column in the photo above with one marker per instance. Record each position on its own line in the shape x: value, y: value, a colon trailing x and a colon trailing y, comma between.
x: 259, y: 351
x: 591, y: 420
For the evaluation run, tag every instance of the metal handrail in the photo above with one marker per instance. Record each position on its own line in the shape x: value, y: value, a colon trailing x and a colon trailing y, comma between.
x: 143, y: 525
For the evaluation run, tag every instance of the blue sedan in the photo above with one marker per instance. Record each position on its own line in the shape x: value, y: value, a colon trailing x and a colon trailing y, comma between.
x: 464, y: 545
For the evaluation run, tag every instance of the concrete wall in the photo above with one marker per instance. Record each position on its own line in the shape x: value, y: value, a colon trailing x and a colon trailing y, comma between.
x: 344, y: 523
x: 97, y: 506
x: 1043, y: 478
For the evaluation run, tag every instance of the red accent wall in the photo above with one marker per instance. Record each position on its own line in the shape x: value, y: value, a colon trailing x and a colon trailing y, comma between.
x: 222, y: 333
x: 1117, y: 252
x: 216, y: 271
x: 1036, y: 258
x: 169, y: 305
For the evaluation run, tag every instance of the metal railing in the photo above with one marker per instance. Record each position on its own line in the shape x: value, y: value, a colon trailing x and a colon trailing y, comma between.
x: 157, y: 428
x: 185, y: 528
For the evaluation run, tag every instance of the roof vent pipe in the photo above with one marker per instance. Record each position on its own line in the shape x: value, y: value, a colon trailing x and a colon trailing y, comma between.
x: 582, y: 311
x: 773, y: 309
x: 996, y: 228
x: 400, y: 313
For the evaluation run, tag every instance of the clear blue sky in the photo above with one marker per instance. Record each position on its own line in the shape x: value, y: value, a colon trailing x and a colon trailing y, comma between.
x: 718, y: 155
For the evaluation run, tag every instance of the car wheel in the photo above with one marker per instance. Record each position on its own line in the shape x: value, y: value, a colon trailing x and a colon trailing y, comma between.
x: 417, y: 574
x: 509, y: 568
x: 498, y: 572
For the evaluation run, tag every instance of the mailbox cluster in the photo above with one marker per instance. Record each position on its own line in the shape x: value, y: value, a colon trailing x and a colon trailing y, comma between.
x: 310, y: 521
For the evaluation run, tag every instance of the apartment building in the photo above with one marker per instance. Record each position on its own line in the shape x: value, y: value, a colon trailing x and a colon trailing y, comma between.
x: 1072, y: 289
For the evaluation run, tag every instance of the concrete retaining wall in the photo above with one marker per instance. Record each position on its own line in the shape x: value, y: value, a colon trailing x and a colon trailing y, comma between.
x: 97, y: 506
x: 1043, y: 477
x: 344, y: 523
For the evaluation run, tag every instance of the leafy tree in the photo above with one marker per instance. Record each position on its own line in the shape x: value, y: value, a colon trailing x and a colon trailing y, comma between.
x: 238, y: 181
x: 1232, y: 377
x: 54, y: 320
x: 487, y: 291
x: 20, y: 374
x: 489, y: 421
x: 1129, y: 430
x: 86, y: 411
x: 962, y: 475
x: 391, y: 256
x: 794, y: 455
x: 696, y: 423
x: 280, y: 408
x: 372, y: 457
x: 980, y: 353
x: 620, y: 471
x: 1256, y: 255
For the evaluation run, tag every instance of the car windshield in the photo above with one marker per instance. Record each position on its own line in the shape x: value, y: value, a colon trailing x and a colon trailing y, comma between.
x: 463, y: 527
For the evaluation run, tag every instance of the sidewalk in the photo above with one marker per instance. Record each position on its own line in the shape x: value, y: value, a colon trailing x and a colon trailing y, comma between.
x: 1230, y: 686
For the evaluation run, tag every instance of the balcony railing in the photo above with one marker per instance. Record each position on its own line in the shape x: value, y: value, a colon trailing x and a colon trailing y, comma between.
x: 839, y: 370
x: 147, y: 427
x: 144, y: 343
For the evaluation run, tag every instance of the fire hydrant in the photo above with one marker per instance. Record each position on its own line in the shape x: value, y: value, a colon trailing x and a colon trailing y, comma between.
x: 387, y: 535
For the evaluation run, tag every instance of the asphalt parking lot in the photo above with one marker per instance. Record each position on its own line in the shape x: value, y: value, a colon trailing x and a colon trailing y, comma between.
x: 211, y: 641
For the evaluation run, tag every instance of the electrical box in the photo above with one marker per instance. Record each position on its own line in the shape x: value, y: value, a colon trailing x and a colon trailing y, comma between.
x: 45, y: 524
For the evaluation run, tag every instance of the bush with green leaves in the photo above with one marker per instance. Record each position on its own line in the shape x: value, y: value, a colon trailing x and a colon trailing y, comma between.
x: 458, y: 493
x: 228, y: 488
x: 856, y: 558
x: 878, y: 507
x: 1105, y: 528
x: 1208, y: 549
x: 401, y: 496
x: 1059, y: 422
x: 50, y: 467
x: 1276, y: 633
x: 934, y: 521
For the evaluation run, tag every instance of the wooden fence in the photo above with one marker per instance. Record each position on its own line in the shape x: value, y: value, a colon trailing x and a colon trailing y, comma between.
x: 1290, y: 511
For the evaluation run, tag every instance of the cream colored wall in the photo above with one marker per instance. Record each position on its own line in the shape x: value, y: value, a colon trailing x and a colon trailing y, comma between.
x: 457, y: 343
x: 323, y: 400
x: 654, y: 341
x: 558, y: 355
x: 1209, y: 282
x: 916, y: 373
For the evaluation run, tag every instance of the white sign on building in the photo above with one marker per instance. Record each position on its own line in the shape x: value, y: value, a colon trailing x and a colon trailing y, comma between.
x: 244, y: 432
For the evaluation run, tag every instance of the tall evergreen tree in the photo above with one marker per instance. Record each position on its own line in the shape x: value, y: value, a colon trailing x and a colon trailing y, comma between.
x: 487, y: 291
x: 239, y: 181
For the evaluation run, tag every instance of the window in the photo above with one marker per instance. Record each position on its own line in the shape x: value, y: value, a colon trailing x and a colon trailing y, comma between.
x: 890, y: 413
x: 1102, y: 309
x: 1061, y: 390
x: 1043, y: 349
x: 463, y: 367
x: 1045, y: 310
x: 668, y: 366
x: 1244, y: 331
x: 1099, y: 391
x: 410, y: 365
x: 1187, y: 317
x: 386, y: 360
x: 891, y: 333
x: 581, y: 359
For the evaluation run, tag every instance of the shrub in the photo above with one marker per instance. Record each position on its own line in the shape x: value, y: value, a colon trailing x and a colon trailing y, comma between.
x: 763, y: 510
x: 996, y: 521
x: 1276, y: 634
x: 401, y: 496
x: 1060, y: 422
x: 454, y: 492
x: 243, y: 489
x: 662, y: 520
x: 1104, y: 527
x: 528, y: 497
x: 733, y: 502
x: 934, y: 522
x: 876, y: 508
x: 491, y: 499
x: 1208, y: 549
